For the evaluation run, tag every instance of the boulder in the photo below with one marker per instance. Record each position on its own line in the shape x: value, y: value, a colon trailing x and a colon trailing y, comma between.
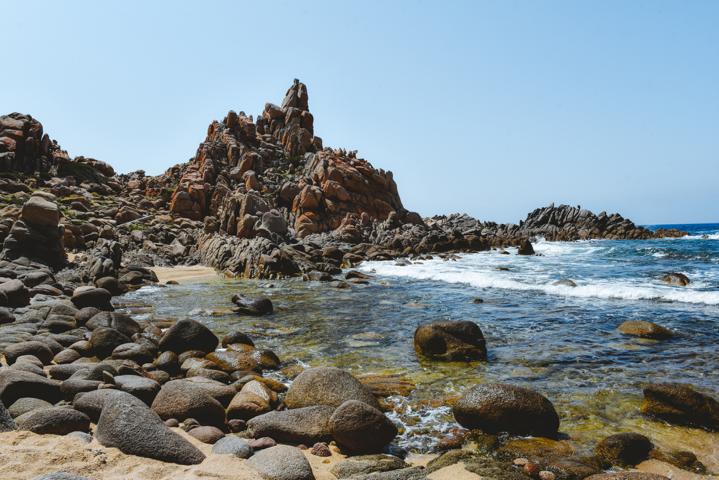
x: 281, y: 462
x: 54, y: 420
x: 60, y: 476
x: 188, y: 335
x: 15, y: 293
x: 39, y: 212
x: 35, y: 348
x: 525, y: 248
x: 498, y: 407
x: 91, y: 403
x: 128, y: 424
x: 15, y: 384
x: 121, y: 322
x: 232, y: 445
x: 627, y: 476
x: 252, y: 306
x: 27, y: 404
x: 681, y: 404
x: 623, y: 450
x: 92, y: 297
x: 451, y: 341
x: 360, y: 428
x: 676, y: 279
x: 181, y: 399
x: 143, y: 388
x: 644, y: 329
x: 327, y: 386
x: 105, y: 339
x: 253, y: 399
x: 306, y: 425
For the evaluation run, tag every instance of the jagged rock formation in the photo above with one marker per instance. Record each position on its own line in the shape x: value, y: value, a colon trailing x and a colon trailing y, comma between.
x: 261, y: 198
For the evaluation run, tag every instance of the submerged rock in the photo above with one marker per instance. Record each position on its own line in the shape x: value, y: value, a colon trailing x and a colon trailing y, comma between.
x: 623, y: 449
x: 498, y: 407
x: 681, y: 404
x: 676, y: 278
x: 644, y: 329
x: 450, y: 341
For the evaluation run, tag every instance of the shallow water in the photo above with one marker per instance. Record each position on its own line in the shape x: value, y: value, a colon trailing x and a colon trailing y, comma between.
x: 559, y: 340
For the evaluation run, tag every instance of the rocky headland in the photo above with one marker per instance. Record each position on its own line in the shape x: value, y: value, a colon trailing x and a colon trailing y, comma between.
x: 261, y: 198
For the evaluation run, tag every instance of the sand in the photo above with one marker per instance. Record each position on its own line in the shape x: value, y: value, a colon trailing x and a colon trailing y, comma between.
x: 25, y: 455
x: 185, y: 274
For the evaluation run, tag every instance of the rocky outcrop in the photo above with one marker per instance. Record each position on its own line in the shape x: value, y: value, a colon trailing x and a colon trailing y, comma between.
x: 681, y: 404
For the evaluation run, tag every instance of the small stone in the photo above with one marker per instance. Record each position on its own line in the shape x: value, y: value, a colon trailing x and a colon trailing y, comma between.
x: 321, y: 449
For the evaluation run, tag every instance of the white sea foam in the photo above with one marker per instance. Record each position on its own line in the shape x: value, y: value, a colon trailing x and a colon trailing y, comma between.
x: 539, y: 274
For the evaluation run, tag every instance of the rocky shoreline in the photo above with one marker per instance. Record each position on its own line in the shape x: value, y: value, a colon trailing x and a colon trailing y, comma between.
x: 262, y: 198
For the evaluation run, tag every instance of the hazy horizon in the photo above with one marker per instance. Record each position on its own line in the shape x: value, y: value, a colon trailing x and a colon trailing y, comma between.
x: 493, y: 109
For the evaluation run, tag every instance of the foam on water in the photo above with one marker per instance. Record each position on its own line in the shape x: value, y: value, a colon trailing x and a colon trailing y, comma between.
x: 600, y: 269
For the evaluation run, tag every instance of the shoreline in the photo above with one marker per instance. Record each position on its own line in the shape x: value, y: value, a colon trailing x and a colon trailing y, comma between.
x: 185, y: 274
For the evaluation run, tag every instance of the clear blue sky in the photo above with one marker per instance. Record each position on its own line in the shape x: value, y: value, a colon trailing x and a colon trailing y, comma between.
x: 493, y: 108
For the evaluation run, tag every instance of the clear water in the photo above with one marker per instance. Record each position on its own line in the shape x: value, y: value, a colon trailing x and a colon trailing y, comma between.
x: 560, y: 340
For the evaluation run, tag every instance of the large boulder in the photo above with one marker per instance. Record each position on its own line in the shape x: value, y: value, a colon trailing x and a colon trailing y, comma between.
x: 498, y: 407
x: 182, y: 399
x: 39, y: 212
x: 15, y: 293
x: 450, y: 341
x: 253, y: 399
x: 232, y: 445
x: 281, y: 462
x: 15, y: 384
x: 54, y: 420
x: 188, y: 335
x: 91, y: 403
x: 92, y: 297
x: 35, y: 348
x: 360, y: 428
x: 367, y: 464
x: 143, y: 388
x: 105, y: 339
x: 128, y: 424
x: 681, y: 404
x: 27, y: 404
x: 327, y: 386
x: 119, y: 321
x: 306, y: 425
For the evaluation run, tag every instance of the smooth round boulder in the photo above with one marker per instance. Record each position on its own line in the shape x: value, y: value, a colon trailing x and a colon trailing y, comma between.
x: 37, y: 349
x: 105, y: 339
x: 143, y: 388
x: 681, y: 404
x: 15, y: 384
x: 623, y: 450
x: 188, y: 335
x: 132, y: 351
x: 15, y: 293
x: 327, y: 386
x: 450, y: 341
x: 281, y: 462
x: 232, y: 445
x: 91, y: 403
x: 27, y: 404
x: 237, y: 337
x: 252, y: 306
x: 7, y: 422
x: 306, y: 425
x: 6, y: 315
x: 181, y: 399
x: 83, y: 315
x: 498, y: 407
x: 92, y: 297
x: 360, y: 428
x: 54, y: 420
x: 644, y: 329
x: 128, y: 424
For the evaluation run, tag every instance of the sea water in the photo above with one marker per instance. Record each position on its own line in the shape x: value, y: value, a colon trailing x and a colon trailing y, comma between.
x: 557, y: 339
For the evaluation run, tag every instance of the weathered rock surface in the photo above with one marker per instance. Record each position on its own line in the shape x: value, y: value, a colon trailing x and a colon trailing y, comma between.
x: 450, y: 341
x: 500, y: 407
x: 281, y: 462
x: 681, y: 404
x: 327, y: 386
x: 128, y: 424
x: 306, y: 425
x: 360, y: 428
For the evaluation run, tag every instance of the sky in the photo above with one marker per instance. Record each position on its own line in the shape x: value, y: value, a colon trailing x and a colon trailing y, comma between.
x: 492, y: 108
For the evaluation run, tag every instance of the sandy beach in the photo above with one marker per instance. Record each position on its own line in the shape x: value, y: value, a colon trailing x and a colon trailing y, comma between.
x: 185, y: 274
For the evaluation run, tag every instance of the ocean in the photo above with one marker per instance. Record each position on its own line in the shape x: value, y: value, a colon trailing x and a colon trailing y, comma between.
x: 557, y: 339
